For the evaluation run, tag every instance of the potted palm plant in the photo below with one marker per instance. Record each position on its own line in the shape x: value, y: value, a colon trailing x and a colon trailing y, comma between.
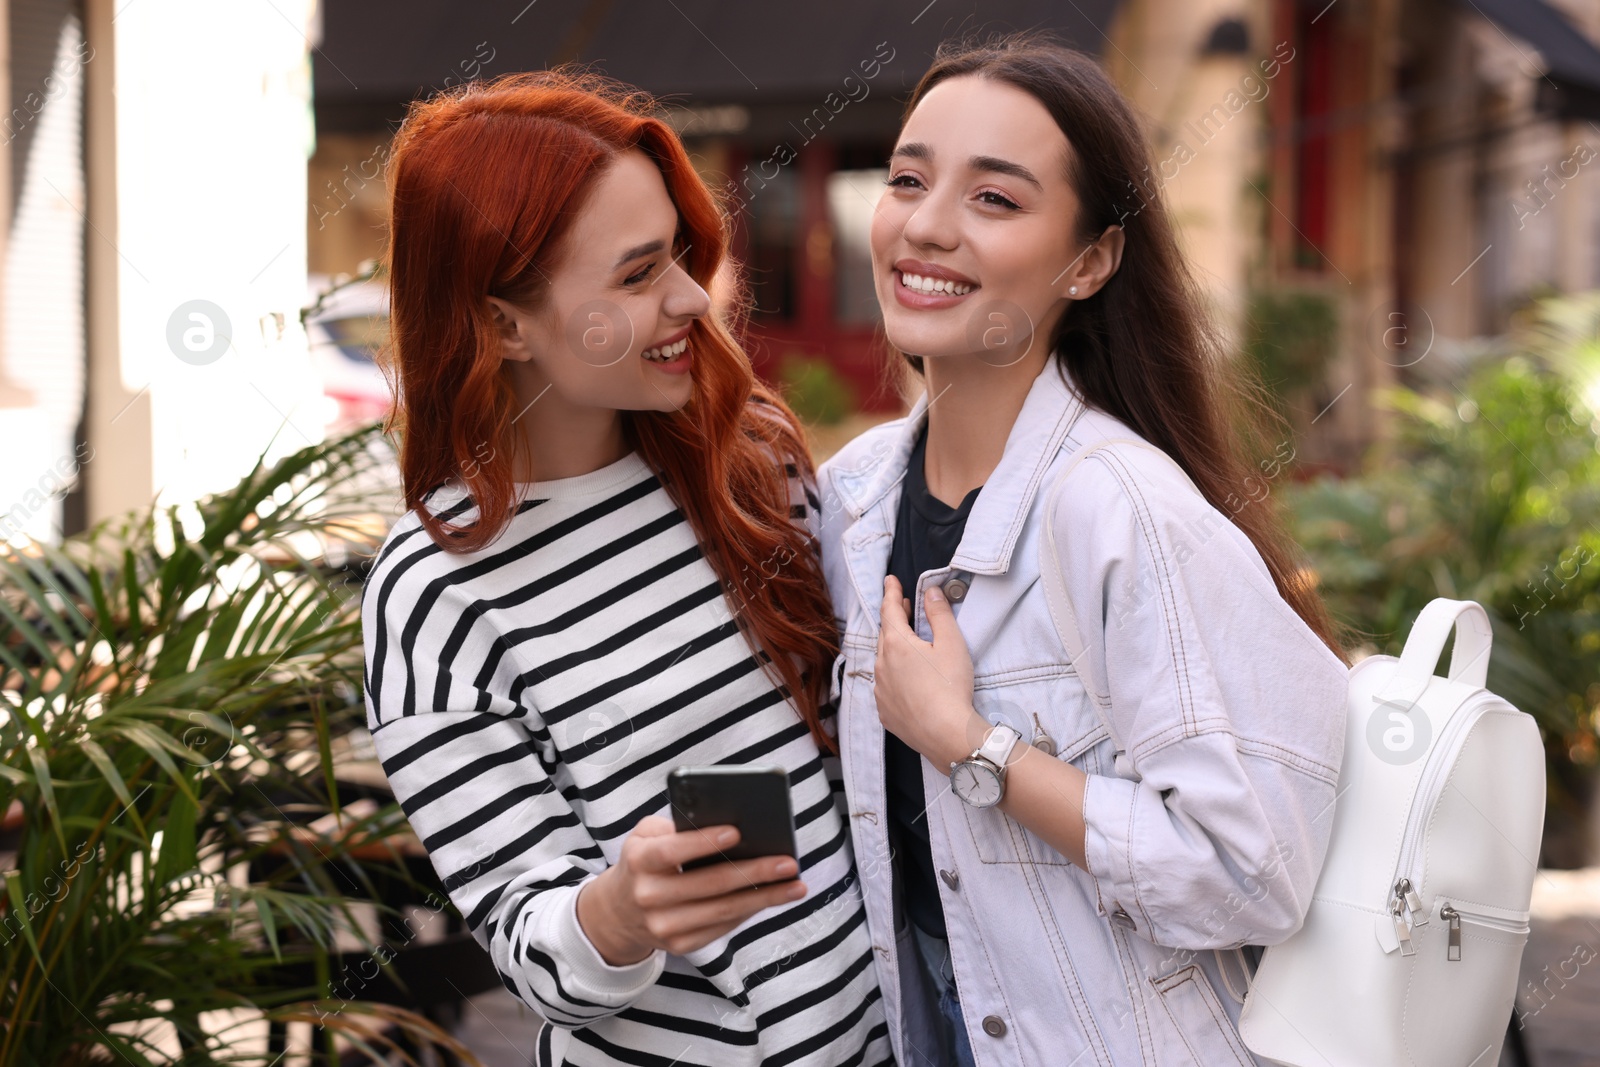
x: 174, y: 687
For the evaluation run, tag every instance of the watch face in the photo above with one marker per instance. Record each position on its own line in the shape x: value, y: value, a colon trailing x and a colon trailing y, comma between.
x: 976, y: 784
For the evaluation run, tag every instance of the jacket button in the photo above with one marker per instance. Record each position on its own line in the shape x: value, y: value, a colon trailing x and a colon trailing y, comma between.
x: 1123, y: 919
x: 955, y: 590
x: 994, y: 1026
x: 951, y: 879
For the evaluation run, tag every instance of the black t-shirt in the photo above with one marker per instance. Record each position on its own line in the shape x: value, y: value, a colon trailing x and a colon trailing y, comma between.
x: 927, y: 532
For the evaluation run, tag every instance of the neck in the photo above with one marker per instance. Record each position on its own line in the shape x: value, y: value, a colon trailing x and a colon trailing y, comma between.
x: 972, y: 407
x: 560, y: 439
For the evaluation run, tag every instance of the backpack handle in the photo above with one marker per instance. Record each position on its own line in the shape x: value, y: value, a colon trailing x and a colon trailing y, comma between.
x: 1469, y: 662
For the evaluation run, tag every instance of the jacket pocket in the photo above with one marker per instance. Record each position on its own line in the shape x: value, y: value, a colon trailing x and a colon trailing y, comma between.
x: 1197, y: 1016
x: 1052, y: 713
x: 998, y: 838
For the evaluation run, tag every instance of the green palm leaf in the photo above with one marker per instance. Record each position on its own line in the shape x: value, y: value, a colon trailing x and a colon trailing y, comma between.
x: 173, y: 685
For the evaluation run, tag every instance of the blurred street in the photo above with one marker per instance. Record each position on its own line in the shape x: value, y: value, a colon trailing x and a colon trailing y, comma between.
x: 1560, y: 1000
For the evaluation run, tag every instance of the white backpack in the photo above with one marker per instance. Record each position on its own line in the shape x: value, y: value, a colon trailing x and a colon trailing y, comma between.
x: 1410, y: 951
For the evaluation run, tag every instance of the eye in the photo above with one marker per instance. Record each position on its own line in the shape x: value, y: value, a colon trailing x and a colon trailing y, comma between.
x: 635, y: 279
x: 989, y: 196
x: 903, y: 181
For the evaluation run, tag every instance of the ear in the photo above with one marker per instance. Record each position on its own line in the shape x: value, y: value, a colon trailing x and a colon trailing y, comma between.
x: 508, y: 323
x: 1095, y: 266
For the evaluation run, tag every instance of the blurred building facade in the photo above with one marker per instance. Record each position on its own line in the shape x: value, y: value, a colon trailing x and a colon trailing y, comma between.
x: 1410, y: 173
x: 152, y: 253
x: 1360, y: 184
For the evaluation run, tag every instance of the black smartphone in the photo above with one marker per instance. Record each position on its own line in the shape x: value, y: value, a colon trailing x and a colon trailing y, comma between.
x: 754, y: 798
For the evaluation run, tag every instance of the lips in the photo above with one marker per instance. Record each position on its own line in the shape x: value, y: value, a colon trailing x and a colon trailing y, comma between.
x: 919, y: 284
x: 671, y: 355
x: 665, y: 350
x: 665, y: 353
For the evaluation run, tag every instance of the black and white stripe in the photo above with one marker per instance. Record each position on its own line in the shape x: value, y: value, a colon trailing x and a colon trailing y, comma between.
x: 527, y: 702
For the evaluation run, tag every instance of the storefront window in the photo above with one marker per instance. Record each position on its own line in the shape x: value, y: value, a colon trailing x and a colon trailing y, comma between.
x: 852, y: 198
x: 772, y: 211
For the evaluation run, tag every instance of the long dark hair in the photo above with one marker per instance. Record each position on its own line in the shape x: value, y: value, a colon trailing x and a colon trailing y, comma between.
x: 1143, y: 348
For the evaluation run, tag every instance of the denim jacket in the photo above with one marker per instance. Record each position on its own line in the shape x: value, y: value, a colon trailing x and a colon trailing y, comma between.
x: 1206, y: 830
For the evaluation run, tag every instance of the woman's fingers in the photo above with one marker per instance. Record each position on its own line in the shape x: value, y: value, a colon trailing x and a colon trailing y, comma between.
x: 722, y: 878
x: 684, y: 910
x: 654, y: 826
x: 942, y: 621
x: 893, y: 610
x: 663, y: 853
x: 666, y: 889
x: 725, y: 911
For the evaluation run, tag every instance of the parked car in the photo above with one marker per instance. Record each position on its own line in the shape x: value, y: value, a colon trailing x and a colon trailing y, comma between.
x: 347, y: 324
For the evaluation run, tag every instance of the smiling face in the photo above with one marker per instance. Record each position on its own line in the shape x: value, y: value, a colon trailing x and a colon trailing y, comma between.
x: 611, y: 330
x: 974, y: 243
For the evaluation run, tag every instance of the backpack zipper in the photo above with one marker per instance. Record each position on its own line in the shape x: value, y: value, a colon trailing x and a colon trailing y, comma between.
x: 1403, y: 895
x: 1454, y: 917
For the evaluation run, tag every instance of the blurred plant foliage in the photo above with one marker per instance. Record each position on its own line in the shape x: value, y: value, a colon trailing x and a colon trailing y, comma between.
x: 173, y: 684
x: 816, y: 392
x: 1289, y: 337
x: 1490, y: 492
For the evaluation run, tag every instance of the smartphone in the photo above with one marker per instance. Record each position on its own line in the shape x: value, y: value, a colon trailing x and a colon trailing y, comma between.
x: 753, y: 797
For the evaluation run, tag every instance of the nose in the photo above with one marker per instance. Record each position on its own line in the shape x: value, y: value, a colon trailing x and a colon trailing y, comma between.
x: 685, y: 298
x: 932, y: 223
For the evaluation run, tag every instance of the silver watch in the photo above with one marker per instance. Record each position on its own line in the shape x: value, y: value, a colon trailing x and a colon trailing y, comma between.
x: 980, y: 779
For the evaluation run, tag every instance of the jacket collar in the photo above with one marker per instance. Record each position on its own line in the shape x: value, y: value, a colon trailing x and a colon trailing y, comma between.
x: 1001, y: 510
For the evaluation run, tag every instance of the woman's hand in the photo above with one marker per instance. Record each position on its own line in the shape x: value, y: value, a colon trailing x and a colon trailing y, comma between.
x: 924, y: 694
x: 923, y: 690
x: 644, y: 902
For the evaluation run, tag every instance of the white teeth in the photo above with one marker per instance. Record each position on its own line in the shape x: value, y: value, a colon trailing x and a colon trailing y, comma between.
x: 933, y: 285
x: 667, y: 353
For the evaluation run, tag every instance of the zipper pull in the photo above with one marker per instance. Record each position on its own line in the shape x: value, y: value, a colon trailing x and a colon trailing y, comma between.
x: 1453, y: 917
x: 1402, y: 929
x: 1403, y: 888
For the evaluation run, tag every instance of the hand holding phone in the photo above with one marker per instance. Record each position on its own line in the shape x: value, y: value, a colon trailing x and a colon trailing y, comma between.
x: 753, y: 798
x: 657, y: 897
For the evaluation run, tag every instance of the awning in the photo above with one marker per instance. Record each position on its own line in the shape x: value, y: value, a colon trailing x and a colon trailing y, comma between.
x: 1570, y: 87
x: 376, y: 55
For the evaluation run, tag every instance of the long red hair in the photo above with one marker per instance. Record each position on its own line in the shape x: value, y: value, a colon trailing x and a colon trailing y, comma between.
x: 484, y: 182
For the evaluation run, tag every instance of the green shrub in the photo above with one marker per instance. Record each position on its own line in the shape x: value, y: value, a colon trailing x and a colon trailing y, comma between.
x: 1289, y: 337
x: 1489, y: 492
x: 816, y: 392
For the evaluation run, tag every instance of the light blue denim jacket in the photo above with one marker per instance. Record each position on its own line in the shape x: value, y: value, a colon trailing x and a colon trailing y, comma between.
x: 1207, y: 832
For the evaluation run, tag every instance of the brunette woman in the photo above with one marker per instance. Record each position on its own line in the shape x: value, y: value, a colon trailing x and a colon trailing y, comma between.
x: 1056, y: 841
x: 583, y: 595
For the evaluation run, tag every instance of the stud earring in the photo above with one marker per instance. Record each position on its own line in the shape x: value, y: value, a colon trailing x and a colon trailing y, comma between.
x: 1072, y: 290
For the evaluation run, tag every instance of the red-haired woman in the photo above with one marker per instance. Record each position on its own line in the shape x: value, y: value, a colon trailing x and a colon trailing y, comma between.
x: 608, y: 569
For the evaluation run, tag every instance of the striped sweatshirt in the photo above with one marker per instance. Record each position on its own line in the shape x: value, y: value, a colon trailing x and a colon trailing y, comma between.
x: 527, y: 702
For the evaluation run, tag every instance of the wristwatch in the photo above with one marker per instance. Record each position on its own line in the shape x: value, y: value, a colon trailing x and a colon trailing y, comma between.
x: 980, y: 779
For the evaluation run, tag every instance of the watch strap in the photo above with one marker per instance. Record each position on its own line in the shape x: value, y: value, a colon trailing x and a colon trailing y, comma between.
x: 998, y: 745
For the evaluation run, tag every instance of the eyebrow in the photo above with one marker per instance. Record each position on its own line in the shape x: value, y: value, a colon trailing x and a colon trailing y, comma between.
x: 649, y: 248
x: 1004, y: 166
x: 992, y: 164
